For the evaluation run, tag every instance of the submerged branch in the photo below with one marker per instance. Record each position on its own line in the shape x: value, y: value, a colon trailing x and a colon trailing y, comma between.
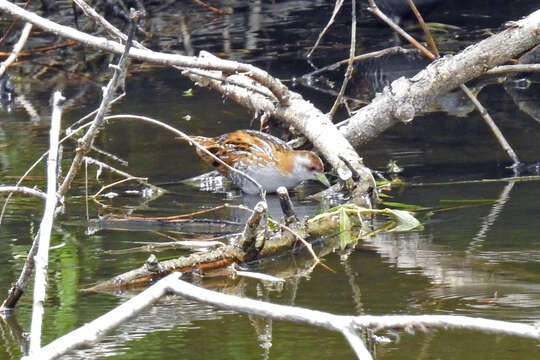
x: 279, y: 240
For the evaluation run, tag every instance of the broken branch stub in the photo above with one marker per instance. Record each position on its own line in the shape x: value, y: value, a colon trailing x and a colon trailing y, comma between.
x: 286, y: 205
x: 254, y: 235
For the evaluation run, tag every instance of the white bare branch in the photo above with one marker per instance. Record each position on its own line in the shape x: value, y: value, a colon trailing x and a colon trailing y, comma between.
x: 44, y: 238
x: 349, y: 326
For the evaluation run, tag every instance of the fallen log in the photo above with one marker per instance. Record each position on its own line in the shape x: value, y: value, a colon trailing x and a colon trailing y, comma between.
x: 263, y: 239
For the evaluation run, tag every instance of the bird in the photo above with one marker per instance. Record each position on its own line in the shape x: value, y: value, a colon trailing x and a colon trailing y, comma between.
x: 267, y: 159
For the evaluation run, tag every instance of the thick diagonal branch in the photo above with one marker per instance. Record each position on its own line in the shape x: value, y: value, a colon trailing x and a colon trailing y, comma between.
x: 404, y: 98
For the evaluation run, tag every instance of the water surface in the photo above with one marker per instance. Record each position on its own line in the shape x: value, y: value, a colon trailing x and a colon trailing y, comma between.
x: 480, y: 261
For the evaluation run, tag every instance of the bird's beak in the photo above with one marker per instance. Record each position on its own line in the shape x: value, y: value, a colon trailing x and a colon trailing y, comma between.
x: 323, y: 179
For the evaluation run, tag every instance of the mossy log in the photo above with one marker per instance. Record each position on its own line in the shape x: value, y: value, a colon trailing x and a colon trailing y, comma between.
x: 260, y: 240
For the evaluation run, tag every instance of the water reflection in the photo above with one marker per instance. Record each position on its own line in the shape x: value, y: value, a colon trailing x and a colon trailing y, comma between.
x: 7, y: 88
x: 462, y: 275
x: 162, y: 318
x: 13, y: 337
x: 490, y: 219
x: 524, y: 88
x: 524, y: 93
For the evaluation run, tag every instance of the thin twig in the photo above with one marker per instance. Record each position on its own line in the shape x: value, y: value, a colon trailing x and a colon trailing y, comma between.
x: 373, y: 54
x: 162, y: 246
x: 337, y: 7
x: 110, y: 28
x: 348, y: 72
x: 42, y: 49
x: 258, y: 276
x: 109, y: 186
x: 482, y: 181
x: 303, y: 241
x: 181, y: 216
x: 492, y: 126
x: 70, y: 129
x: 110, y: 156
x: 424, y: 27
x: 374, y: 9
x: 86, y: 191
x: 124, y: 174
x: 213, y: 9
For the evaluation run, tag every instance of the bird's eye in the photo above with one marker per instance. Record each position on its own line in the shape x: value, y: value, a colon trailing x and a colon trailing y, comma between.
x: 311, y: 168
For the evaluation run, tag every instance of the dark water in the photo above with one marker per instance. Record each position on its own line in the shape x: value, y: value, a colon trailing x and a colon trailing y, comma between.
x: 480, y: 261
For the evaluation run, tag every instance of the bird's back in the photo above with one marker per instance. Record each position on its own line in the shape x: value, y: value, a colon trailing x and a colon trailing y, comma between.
x: 242, y: 148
